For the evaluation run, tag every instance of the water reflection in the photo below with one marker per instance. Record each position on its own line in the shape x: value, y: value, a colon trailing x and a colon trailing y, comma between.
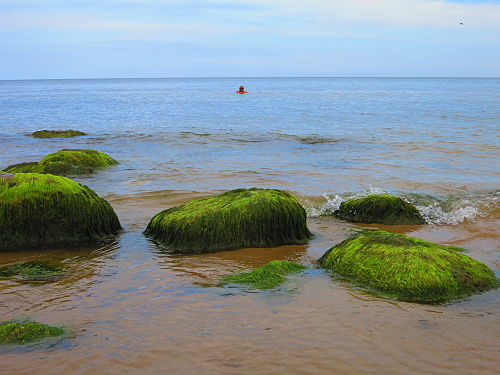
x: 82, y: 266
x: 207, y: 269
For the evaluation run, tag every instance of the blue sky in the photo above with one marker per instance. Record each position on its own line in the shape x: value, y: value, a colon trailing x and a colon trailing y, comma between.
x: 217, y: 38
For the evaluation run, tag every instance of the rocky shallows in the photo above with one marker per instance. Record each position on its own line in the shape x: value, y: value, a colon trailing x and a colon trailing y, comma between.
x: 45, y: 210
x: 66, y: 162
x: 406, y: 268
x: 381, y: 209
x: 236, y: 219
x: 266, y: 277
x: 68, y: 133
x: 21, y: 333
x: 32, y: 271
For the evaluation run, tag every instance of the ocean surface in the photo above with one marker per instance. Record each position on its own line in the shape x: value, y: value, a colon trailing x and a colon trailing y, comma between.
x: 135, y: 308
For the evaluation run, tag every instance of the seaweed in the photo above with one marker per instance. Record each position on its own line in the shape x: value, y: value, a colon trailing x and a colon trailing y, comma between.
x: 266, y: 277
x: 236, y: 219
x: 27, y: 167
x: 44, y: 210
x: 27, y: 332
x: 382, y: 209
x: 33, y: 271
x: 408, y: 269
x: 57, y: 133
x: 66, y: 162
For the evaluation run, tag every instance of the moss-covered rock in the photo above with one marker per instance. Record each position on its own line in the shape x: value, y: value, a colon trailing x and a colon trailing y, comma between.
x: 382, y: 209
x: 57, y: 133
x: 407, y: 268
x: 32, y: 271
x: 236, y: 219
x: 27, y: 167
x: 66, y: 162
x: 26, y: 332
x: 266, y: 277
x: 44, y: 210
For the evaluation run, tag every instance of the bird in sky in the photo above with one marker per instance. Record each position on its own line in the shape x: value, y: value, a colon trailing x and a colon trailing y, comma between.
x: 461, y: 23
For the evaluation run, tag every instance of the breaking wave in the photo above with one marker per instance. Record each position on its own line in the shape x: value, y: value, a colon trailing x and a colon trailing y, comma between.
x: 439, y: 210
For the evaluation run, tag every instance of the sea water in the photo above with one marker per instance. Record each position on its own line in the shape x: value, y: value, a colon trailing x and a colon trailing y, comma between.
x: 134, y: 307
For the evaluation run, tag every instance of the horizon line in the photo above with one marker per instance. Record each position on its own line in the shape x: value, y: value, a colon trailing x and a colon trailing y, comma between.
x: 252, y: 77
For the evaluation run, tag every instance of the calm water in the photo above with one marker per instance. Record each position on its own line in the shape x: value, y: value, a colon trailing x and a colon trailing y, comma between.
x: 133, y: 308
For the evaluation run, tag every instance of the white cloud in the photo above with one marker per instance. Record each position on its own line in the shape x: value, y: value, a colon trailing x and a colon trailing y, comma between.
x: 390, y: 13
x: 327, y: 18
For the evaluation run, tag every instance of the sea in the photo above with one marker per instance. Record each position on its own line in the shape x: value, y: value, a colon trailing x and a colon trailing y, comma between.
x: 133, y: 307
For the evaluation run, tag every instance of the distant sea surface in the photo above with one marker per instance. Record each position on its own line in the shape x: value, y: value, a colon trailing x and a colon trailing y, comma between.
x: 435, y: 142
x: 308, y: 135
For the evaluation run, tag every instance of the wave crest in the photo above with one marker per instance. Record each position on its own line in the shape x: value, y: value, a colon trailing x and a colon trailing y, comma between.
x: 437, y: 210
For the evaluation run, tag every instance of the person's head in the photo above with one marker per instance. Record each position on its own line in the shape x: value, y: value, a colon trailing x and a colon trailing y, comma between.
x: 242, y: 88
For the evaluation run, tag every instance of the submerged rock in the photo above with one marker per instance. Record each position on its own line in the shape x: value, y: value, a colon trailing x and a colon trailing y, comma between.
x: 266, y: 277
x: 407, y: 268
x: 382, y: 209
x: 66, y: 162
x: 236, y: 219
x: 26, y: 332
x: 45, y: 210
x: 57, y: 133
x: 32, y: 271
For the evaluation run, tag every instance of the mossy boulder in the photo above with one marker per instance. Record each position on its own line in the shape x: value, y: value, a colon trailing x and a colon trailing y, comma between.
x: 407, y: 268
x: 32, y: 271
x: 66, y: 162
x: 236, y: 219
x: 27, y: 167
x: 22, y: 333
x: 57, y: 133
x: 381, y: 209
x: 45, y: 210
x: 266, y: 277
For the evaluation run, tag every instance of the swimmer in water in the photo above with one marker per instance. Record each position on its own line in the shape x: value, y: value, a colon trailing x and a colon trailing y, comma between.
x: 241, y: 90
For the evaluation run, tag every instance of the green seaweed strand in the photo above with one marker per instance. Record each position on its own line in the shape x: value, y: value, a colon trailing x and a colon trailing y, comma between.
x: 27, y: 332
x: 32, y: 271
x: 266, y: 277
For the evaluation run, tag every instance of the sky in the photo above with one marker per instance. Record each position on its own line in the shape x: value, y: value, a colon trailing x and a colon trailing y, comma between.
x: 252, y: 38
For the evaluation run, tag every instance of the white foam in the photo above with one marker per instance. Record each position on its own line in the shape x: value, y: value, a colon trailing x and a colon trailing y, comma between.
x: 333, y: 201
x: 434, y: 214
x: 462, y: 209
x: 451, y: 211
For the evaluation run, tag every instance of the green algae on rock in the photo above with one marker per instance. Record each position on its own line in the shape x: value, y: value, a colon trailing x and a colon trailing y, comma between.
x: 66, y: 162
x: 32, y: 271
x: 236, y: 219
x: 57, y: 133
x: 382, y: 209
x: 45, y: 210
x: 27, y: 167
x: 407, y: 268
x: 26, y: 332
x: 266, y: 277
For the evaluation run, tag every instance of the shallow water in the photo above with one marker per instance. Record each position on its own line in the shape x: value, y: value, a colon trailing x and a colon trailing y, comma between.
x: 135, y: 308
